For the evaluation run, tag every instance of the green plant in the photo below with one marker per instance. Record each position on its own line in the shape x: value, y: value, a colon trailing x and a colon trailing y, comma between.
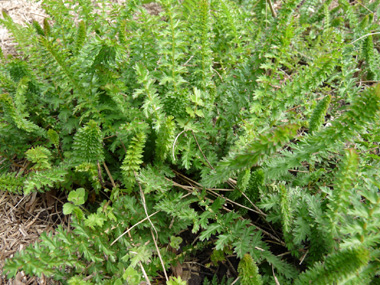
x: 248, y: 271
x: 256, y: 132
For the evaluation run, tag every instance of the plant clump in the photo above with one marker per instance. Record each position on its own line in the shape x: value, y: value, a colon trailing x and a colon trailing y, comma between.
x: 236, y: 131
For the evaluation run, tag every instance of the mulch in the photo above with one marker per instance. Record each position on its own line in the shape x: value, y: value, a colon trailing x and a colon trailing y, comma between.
x: 22, y: 220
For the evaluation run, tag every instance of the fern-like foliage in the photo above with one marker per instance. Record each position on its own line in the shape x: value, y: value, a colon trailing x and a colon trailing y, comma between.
x: 53, y: 137
x: 202, y: 51
x: 9, y: 182
x: 248, y: 271
x: 340, y: 198
x: 336, y: 267
x: 165, y: 139
x: 317, y: 118
x: 152, y: 106
x: 80, y: 36
x: 82, y: 250
x: 17, y: 32
x: 250, y: 126
x: 44, y: 180
x: 265, y: 145
x: 133, y: 159
x: 372, y: 57
x: 59, y: 58
x: 87, y: 144
x: 361, y: 113
x: 286, y: 214
x: 16, y: 117
x: 39, y: 156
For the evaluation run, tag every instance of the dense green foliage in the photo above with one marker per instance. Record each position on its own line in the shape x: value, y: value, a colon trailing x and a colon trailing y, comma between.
x: 164, y: 113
